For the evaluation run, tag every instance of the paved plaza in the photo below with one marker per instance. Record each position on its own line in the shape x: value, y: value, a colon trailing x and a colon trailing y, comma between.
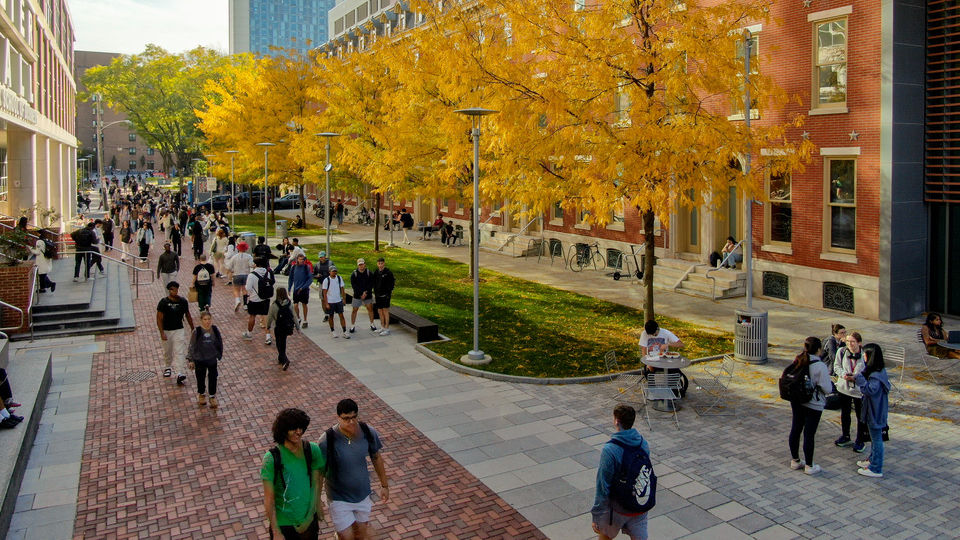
x: 468, y: 457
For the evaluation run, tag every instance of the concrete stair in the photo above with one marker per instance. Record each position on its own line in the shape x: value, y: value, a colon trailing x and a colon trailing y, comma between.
x: 729, y: 283
x: 96, y: 306
x: 512, y: 246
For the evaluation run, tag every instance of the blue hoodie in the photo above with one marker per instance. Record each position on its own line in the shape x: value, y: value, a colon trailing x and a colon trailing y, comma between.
x: 610, y: 458
x: 875, y: 403
x: 301, y: 276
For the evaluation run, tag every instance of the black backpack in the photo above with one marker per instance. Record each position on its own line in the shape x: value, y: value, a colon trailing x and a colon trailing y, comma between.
x: 49, y: 250
x: 331, y: 470
x: 278, y: 466
x: 265, y: 284
x: 795, y: 385
x: 634, y: 488
x: 285, y: 320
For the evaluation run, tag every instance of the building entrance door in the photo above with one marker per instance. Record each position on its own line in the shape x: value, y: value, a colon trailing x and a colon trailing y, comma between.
x: 945, y: 258
x: 688, y: 228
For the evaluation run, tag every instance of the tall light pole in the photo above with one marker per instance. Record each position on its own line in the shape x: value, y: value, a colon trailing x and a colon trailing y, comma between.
x: 326, y: 169
x: 233, y: 193
x: 476, y: 356
x: 209, y: 175
x: 266, y: 149
x: 196, y: 196
x: 98, y: 100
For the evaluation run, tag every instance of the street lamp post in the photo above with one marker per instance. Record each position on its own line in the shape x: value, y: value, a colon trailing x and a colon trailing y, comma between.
x: 233, y: 193
x: 326, y: 169
x: 476, y: 356
x: 266, y: 149
x: 209, y: 175
x: 98, y: 99
x: 196, y: 196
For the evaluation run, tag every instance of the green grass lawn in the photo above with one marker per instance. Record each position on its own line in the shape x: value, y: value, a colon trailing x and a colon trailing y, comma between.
x: 528, y: 328
x: 254, y: 223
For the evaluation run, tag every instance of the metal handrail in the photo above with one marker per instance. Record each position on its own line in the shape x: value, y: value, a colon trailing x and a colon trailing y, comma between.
x: 709, y: 273
x: 33, y: 294
x: 128, y: 254
x: 136, y: 275
x: 18, y: 310
x: 518, y: 233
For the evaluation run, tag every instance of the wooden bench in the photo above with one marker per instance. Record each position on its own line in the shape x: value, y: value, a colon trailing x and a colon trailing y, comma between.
x: 426, y: 329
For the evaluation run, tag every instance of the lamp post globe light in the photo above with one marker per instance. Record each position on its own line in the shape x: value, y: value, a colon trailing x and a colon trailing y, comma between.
x: 476, y: 356
x: 326, y: 169
x: 233, y: 193
x: 266, y: 171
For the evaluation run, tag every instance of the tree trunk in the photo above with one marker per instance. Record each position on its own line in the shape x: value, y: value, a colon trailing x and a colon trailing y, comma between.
x: 273, y: 211
x: 376, y: 225
x: 303, y: 206
x: 648, y: 263
x: 250, y: 200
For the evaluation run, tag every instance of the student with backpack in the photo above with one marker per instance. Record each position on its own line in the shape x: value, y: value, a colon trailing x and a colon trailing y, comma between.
x: 348, y: 481
x: 45, y: 253
x: 292, y: 479
x: 260, y: 283
x: 203, y: 282
x: 203, y: 353
x: 804, y: 384
x: 626, y: 484
x: 281, y: 312
x: 333, y: 296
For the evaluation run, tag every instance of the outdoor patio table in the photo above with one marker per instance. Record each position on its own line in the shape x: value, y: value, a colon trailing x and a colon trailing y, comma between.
x: 667, y: 364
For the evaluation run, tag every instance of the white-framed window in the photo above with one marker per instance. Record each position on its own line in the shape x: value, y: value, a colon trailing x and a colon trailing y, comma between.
x: 132, y: 137
x: 556, y: 214
x: 737, y: 100
x: 132, y: 150
x: 579, y: 5
x: 830, y: 64
x: 617, y: 217
x: 621, y: 106
x: 779, y: 213
x: 132, y: 165
x: 840, y: 219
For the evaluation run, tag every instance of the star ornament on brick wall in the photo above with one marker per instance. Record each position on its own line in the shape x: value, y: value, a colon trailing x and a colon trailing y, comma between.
x: 854, y: 136
x: 805, y: 135
x: 806, y: 3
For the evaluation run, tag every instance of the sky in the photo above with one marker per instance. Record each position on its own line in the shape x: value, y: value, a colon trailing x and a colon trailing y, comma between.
x: 127, y: 26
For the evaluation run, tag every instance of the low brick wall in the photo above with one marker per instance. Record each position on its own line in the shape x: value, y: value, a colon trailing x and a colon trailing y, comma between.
x: 15, y: 289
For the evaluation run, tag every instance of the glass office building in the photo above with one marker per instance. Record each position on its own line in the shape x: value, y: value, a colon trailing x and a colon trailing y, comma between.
x: 256, y: 25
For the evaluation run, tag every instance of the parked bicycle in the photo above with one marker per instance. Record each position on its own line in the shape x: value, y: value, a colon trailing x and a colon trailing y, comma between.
x: 583, y: 255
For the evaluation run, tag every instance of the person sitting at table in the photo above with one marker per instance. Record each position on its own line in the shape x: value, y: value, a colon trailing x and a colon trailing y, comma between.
x: 933, y: 334
x: 655, y: 341
x: 437, y: 225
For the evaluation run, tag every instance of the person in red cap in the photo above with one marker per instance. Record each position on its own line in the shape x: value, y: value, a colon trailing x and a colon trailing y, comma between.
x: 240, y: 266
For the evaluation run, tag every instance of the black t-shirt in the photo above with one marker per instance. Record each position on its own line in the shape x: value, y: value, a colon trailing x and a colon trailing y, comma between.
x: 173, y: 312
x: 209, y: 277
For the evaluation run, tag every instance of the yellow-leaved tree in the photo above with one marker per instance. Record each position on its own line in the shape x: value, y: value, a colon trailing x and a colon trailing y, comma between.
x: 614, y: 102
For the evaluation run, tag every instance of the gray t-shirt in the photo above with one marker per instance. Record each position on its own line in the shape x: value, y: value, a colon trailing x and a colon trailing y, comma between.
x: 352, y: 482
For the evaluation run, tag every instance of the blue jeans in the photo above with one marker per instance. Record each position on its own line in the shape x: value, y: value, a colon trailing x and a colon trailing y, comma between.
x: 876, y: 449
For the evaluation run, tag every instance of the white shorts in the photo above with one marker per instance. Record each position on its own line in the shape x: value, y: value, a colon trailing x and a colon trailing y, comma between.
x: 345, y: 514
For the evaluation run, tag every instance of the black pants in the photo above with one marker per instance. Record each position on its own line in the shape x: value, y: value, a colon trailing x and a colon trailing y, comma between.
x: 176, y: 247
x: 197, y: 250
x: 289, y: 532
x: 45, y: 282
x: 5, y: 391
x: 206, y: 373
x: 805, y: 420
x: 282, y: 348
x: 108, y: 239
x: 144, y: 249
x: 846, y: 403
x: 95, y: 259
x: 281, y: 263
x: 84, y: 259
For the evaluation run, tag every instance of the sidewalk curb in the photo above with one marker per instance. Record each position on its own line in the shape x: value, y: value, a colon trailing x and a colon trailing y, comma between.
x: 459, y: 368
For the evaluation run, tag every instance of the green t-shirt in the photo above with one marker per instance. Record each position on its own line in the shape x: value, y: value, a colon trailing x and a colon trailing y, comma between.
x: 294, y: 505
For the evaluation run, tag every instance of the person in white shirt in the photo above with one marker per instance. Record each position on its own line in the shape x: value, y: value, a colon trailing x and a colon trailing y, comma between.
x: 655, y: 340
x: 259, y: 303
x: 332, y: 292
x: 44, y: 266
x: 240, y: 266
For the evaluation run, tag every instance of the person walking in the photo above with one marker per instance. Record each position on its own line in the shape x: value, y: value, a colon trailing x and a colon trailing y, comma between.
x: 83, y: 240
x: 281, y: 313
x: 299, y: 281
x: 171, y: 311
x: 383, y: 284
x: 259, y: 287
x: 196, y: 236
x: 240, y: 266
x: 203, y: 282
x: 107, y: 231
x: 203, y: 354
x: 406, y: 219
x: 875, y: 387
x: 610, y: 516
x: 850, y: 360
x: 293, y: 480
x: 176, y: 238
x: 44, y: 265
x: 347, y: 445
x: 835, y: 343
x: 168, y: 265
x: 145, y: 238
x: 333, y: 292
x: 321, y: 271
x: 361, y: 281
x: 806, y: 415
x: 218, y: 248
x: 262, y: 250
x: 126, y: 239
x: 340, y: 210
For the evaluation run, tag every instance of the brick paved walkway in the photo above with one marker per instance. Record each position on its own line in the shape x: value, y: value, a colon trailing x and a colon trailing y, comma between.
x: 157, y: 466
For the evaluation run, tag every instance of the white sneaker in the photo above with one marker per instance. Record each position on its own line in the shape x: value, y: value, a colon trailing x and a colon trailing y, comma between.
x: 811, y: 469
x: 268, y: 341
x: 346, y: 335
x: 385, y: 332
x: 863, y: 464
x: 334, y: 334
x: 247, y: 335
x: 796, y: 464
x: 868, y: 472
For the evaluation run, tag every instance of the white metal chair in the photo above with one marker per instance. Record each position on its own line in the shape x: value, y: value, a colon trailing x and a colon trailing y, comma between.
x: 716, y: 385
x: 896, y: 353
x: 622, y: 383
x: 662, y: 386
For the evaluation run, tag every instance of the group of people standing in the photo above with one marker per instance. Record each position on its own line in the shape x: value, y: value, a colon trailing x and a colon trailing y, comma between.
x: 857, y: 374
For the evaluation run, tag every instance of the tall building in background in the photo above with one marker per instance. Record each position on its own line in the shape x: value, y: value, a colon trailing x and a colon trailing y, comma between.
x: 256, y: 25
x: 38, y: 143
